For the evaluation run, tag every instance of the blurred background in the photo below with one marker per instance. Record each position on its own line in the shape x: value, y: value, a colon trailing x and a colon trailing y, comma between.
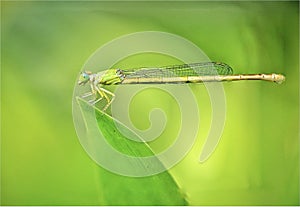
x: 44, y: 46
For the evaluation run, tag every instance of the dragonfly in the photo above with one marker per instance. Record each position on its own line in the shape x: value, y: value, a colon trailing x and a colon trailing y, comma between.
x: 172, y: 74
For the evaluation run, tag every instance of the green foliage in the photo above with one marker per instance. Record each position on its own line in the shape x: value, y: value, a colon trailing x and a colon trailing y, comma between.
x: 44, y: 45
x: 160, y: 189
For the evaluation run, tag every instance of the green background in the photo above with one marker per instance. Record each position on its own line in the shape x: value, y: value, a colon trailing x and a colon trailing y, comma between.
x: 45, y: 44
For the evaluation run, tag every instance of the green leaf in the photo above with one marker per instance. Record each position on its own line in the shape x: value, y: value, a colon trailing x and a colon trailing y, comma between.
x: 159, y: 189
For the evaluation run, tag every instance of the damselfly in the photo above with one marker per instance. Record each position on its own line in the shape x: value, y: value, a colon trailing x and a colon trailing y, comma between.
x: 185, y: 73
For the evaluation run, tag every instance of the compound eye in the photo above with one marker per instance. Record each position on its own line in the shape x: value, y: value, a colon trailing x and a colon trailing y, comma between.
x: 85, y: 75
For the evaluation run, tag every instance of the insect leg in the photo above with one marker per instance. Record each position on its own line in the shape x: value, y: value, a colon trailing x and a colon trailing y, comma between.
x: 94, y: 92
x: 87, y: 94
x: 104, y: 92
x: 108, y: 101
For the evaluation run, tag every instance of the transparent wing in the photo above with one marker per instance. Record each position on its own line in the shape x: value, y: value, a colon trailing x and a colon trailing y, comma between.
x: 194, y: 69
